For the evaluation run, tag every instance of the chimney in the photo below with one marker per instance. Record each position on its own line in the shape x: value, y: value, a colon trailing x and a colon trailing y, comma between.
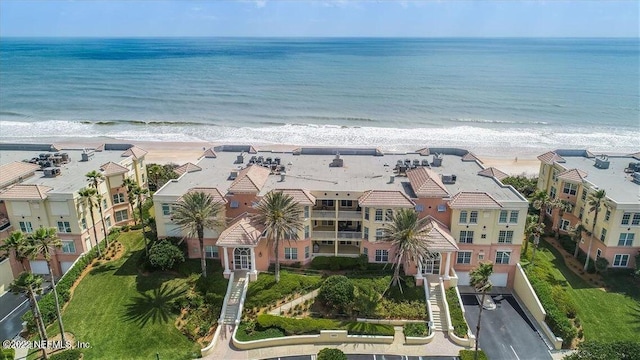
x: 391, y: 179
x: 282, y: 177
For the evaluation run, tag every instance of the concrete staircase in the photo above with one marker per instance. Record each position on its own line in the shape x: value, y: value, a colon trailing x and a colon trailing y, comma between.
x: 233, y: 304
x: 436, y: 303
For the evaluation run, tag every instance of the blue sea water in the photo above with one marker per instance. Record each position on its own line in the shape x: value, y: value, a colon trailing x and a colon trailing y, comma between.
x: 395, y: 93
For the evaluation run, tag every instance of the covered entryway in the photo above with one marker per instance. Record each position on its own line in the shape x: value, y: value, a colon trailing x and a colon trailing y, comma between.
x: 39, y: 267
x: 432, y: 266
x: 238, y: 243
x: 242, y: 258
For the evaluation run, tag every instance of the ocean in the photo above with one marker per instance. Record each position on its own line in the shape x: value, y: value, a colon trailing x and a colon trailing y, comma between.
x: 495, y: 95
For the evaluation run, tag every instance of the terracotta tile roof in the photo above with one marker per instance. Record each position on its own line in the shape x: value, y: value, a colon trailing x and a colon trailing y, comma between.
x: 423, y: 151
x: 301, y: 196
x: 426, y: 183
x: 241, y: 232
x: 574, y: 175
x: 386, y: 198
x: 473, y: 200
x: 209, y: 153
x: 493, y: 172
x: 135, y: 151
x: 187, y: 168
x: 25, y: 192
x: 15, y: 172
x: 550, y: 158
x: 215, y: 194
x: 469, y: 156
x: 250, y: 179
x: 440, y: 238
x: 112, y: 168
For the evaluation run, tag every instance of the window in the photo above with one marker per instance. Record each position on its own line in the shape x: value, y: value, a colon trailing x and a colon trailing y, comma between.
x: 211, y: 252
x: 291, y: 253
x: 464, y: 257
x: 571, y: 189
x: 234, y: 204
x: 388, y: 215
x: 379, y: 234
x: 118, y: 198
x: 505, y: 237
x: 626, y: 239
x: 607, y: 215
x: 584, y: 195
x: 64, y: 227
x: 104, y: 204
x: 365, y: 251
x: 581, y: 213
x: 598, y: 253
x: 503, y: 216
x: 366, y: 213
x: 306, y: 252
x: 554, y: 175
x: 483, y: 236
x: 513, y: 219
x: 306, y: 232
x: 378, y: 215
x: 143, y: 178
x: 346, y: 203
x: 621, y: 260
x: 68, y: 247
x: 365, y: 234
x: 327, y: 203
x: 473, y: 217
x: 466, y: 237
x: 552, y: 192
x: 502, y: 257
x: 166, y: 209
x: 626, y: 218
x: 121, y: 215
x: 382, y: 255
x: 442, y: 208
x: 419, y: 208
x: 564, y: 225
x: 107, y: 221
x: 306, y: 212
x: 636, y: 219
x: 549, y: 210
x: 83, y: 223
x: 25, y: 226
x: 603, y: 234
x: 463, y: 217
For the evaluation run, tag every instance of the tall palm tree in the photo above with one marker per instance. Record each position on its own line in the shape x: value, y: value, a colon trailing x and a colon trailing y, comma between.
x: 595, y: 201
x: 88, y: 195
x: 576, y: 234
x: 562, y: 206
x: 536, y: 231
x: 531, y: 221
x: 479, y: 279
x: 281, y: 217
x: 541, y: 201
x: 194, y: 213
x: 31, y: 285
x: 408, y: 236
x: 45, y: 241
x: 17, y: 243
x: 130, y: 184
x: 95, y: 178
x: 139, y: 192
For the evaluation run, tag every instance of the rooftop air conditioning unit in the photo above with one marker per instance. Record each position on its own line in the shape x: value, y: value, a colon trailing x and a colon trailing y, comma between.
x: 233, y: 175
x: 437, y: 160
x: 636, y: 177
x: 337, y: 162
x: 602, y: 162
x: 449, y: 179
x: 240, y: 159
x: 51, y: 172
x: 87, y: 154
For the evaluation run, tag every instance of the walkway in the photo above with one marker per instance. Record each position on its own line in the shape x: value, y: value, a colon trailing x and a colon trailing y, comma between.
x: 231, y: 312
x: 435, y: 301
x: 292, y: 304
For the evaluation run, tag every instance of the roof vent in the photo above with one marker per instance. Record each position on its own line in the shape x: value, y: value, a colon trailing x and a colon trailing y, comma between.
x: 51, y: 172
x: 233, y: 175
x: 633, y: 167
x: 437, y: 160
x: 240, y: 158
x: 391, y: 179
x: 87, y: 154
x: 602, y: 162
x: 283, y: 176
x: 449, y: 179
x: 337, y: 161
x: 636, y: 177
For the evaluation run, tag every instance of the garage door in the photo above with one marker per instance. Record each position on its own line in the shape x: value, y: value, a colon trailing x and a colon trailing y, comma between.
x: 39, y: 267
x: 499, y: 279
x: 65, y: 265
x: 463, y: 278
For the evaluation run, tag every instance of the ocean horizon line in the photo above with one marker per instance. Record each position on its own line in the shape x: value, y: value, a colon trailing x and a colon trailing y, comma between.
x: 327, y: 37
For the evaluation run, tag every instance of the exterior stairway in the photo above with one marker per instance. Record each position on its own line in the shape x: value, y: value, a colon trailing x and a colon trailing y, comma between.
x: 233, y: 304
x: 435, y: 301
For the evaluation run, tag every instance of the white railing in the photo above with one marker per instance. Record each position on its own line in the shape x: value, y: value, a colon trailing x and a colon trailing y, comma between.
x: 242, y: 298
x: 323, y: 214
x: 472, y: 338
x: 207, y: 349
x: 323, y: 235
x: 446, y: 307
x: 349, y: 215
x: 349, y: 235
x: 425, y: 285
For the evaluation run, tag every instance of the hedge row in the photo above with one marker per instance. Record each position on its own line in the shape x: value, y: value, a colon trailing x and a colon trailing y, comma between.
x: 340, y: 263
x: 265, y: 291
x: 618, y: 350
x: 307, y: 326
x: 457, y: 318
x: 470, y: 355
x: 416, y: 330
x: 71, y: 354
x: 570, y: 246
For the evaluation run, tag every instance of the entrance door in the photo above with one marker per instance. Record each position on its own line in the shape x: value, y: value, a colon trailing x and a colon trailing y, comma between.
x: 242, y: 258
x: 432, y: 266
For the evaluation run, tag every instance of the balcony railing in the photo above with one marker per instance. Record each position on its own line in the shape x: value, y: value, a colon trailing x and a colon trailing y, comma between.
x: 350, y: 215
x: 323, y: 235
x: 4, y: 223
x: 323, y: 214
x: 349, y: 235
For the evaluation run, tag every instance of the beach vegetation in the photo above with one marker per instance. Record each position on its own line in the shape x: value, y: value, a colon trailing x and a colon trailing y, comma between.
x: 524, y: 184
x: 158, y: 175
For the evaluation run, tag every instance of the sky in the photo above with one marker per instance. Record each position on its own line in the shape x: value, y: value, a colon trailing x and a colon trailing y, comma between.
x: 338, y: 18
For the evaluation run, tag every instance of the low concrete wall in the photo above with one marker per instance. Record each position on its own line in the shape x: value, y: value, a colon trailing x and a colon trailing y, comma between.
x: 411, y: 340
x: 325, y: 337
x: 209, y: 348
x: 394, y: 322
x: 522, y: 287
x: 471, y: 339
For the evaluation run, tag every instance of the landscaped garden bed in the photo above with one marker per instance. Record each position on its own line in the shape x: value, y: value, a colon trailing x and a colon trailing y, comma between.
x: 460, y: 328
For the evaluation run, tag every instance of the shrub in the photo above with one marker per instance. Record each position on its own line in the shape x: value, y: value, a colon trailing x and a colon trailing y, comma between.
x: 7, y: 354
x: 331, y: 354
x: 412, y: 310
x: 248, y: 332
x: 164, y: 255
x: 470, y: 355
x: 416, y: 330
x: 457, y: 318
x: 601, y: 264
x: 306, y: 326
x: 618, y: 350
x: 339, y: 263
x: 265, y: 291
x: 125, y: 228
x: 71, y: 354
x: 337, y: 292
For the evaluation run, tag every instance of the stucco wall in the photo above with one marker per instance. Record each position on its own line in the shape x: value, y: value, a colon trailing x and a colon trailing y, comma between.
x: 6, y: 276
x: 325, y: 337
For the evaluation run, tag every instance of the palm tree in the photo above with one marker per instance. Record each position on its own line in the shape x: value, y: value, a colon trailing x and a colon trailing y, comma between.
x: 281, y: 217
x: 130, y: 185
x: 139, y: 192
x: 532, y: 219
x: 595, y: 201
x: 95, y: 178
x: 562, y: 206
x: 479, y: 279
x: 17, y: 243
x: 541, y: 201
x: 195, y: 212
x: 44, y: 241
x: 407, y: 234
x: 31, y: 285
x: 88, y: 195
x: 576, y: 234
x: 536, y: 230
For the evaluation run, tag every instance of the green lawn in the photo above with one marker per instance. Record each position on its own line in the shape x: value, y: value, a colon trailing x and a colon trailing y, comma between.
x: 125, y: 314
x: 605, y: 316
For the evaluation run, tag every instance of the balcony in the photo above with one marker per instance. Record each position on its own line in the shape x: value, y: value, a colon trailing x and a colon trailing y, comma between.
x: 4, y: 223
x: 330, y: 250
x: 323, y: 214
x: 349, y: 235
x: 323, y: 235
x: 350, y: 215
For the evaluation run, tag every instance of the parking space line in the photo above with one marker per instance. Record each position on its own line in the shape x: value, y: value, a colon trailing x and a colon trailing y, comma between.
x: 514, y: 352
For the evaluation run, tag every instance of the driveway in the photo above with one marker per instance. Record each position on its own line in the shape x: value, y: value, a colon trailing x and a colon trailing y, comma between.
x: 506, y: 332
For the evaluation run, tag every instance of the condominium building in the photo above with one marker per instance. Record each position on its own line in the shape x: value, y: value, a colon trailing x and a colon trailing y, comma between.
x: 39, y: 187
x: 346, y: 196
x: 572, y: 175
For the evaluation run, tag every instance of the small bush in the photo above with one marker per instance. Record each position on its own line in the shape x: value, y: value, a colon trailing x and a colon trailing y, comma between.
x: 618, y: 350
x: 337, y: 292
x: 71, y: 354
x: 7, y: 354
x: 125, y: 228
x: 457, y: 318
x: 339, y: 263
x: 331, y: 354
x: 469, y: 355
x: 164, y: 255
x: 265, y: 291
x: 416, y: 330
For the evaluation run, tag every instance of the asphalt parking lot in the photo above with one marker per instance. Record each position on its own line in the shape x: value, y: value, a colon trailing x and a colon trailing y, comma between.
x: 506, y: 332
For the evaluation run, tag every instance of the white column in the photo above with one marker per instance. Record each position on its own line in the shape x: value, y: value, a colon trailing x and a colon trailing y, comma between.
x: 226, y: 261
x: 253, y: 261
x: 447, y: 266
